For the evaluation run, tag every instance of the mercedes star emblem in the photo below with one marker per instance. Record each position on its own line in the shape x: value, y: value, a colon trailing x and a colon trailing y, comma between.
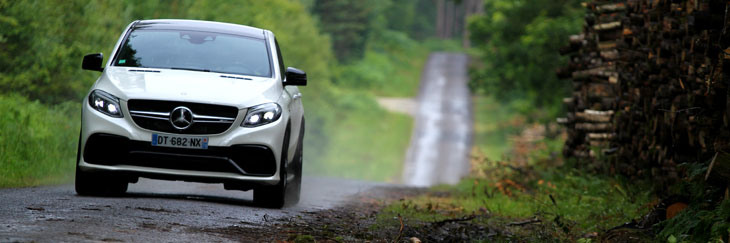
x: 181, y: 117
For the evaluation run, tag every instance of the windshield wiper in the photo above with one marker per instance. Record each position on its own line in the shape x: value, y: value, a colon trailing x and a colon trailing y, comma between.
x: 191, y: 69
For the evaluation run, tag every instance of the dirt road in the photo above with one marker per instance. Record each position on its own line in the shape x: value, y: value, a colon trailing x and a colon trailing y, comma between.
x: 155, y: 211
x: 441, y: 140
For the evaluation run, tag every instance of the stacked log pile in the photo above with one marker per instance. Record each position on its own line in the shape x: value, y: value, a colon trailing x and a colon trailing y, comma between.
x: 650, y: 82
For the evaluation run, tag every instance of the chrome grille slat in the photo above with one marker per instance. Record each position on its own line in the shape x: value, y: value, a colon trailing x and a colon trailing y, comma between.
x: 160, y: 114
x: 196, y: 116
x: 151, y: 117
x: 204, y: 121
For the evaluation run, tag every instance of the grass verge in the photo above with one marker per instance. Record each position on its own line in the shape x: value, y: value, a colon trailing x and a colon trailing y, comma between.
x: 549, y: 203
x: 537, y: 199
x: 366, y: 142
x: 38, y: 142
x: 493, y: 127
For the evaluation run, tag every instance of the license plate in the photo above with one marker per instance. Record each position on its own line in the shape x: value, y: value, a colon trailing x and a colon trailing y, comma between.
x: 180, y: 141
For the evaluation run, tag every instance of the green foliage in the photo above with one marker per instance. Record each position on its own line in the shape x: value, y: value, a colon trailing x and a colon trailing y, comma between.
x: 413, y: 17
x: 704, y: 223
x: 518, y: 42
x: 368, y: 143
x: 374, y: 70
x: 351, y: 24
x: 391, y: 66
x: 707, y: 219
x: 582, y: 203
x: 38, y: 142
x: 303, y: 239
x: 348, y: 22
x: 41, y: 49
x: 493, y: 127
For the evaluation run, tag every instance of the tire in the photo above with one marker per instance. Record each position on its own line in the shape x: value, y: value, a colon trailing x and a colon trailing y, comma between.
x: 295, y: 187
x: 294, y: 190
x: 285, y: 193
x: 271, y: 196
x: 96, y: 184
x: 275, y: 196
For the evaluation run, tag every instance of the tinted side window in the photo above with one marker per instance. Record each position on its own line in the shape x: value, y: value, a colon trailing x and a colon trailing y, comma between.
x: 282, y: 68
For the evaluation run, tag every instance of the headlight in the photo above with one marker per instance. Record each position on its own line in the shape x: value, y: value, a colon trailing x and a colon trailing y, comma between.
x: 105, y: 103
x: 261, y: 115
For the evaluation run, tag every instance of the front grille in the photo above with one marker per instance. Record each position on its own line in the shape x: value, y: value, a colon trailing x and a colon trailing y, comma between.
x: 254, y: 160
x: 207, y: 119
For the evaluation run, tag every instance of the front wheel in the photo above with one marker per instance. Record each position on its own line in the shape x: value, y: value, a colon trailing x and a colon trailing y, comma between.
x: 283, y: 193
x: 96, y: 184
x: 294, y: 189
x: 271, y: 196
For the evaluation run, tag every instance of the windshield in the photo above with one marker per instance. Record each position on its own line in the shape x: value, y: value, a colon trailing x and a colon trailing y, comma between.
x: 195, y: 50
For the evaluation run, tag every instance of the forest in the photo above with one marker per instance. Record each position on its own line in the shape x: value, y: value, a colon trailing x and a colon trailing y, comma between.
x: 594, y: 120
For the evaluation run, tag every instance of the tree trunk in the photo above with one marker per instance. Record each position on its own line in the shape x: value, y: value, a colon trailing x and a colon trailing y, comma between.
x: 718, y: 172
x: 471, y: 7
x: 448, y: 19
x: 440, y: 19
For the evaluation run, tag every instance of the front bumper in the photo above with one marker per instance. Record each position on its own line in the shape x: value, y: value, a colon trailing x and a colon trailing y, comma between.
x: 242, y: 156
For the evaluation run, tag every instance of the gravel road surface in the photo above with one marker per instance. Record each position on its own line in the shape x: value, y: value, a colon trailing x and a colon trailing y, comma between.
x: 154, y: 211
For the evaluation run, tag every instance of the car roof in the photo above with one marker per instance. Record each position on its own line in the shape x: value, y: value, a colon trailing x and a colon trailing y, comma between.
x: 200, y: 25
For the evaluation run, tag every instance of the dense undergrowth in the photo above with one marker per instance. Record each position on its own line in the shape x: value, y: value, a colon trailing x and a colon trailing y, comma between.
x: 524, y: 190
x: 705, y: 220
x: 707, y: 215
x: 493, y: 126
x: 557, y: 203
x: 38, y: 141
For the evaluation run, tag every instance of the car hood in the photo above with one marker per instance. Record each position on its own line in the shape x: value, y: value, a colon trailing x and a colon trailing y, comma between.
x: 189, y: 86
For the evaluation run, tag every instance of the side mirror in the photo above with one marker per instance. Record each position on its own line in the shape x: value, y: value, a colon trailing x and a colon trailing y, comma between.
x: 93, y: 62
x: 295, y: 77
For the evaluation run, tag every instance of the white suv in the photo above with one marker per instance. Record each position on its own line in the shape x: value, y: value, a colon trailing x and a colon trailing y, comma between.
x: 193, y: 101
